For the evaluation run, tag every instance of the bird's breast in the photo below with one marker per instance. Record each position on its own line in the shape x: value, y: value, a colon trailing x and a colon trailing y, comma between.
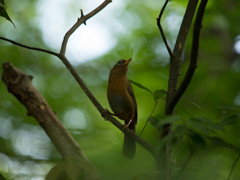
x: 121, y: 106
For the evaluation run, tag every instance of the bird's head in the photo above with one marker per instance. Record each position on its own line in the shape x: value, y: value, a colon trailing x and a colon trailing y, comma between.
x: 121, y: 66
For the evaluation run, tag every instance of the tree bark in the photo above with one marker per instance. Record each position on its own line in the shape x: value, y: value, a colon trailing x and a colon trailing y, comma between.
x: 20, y: 85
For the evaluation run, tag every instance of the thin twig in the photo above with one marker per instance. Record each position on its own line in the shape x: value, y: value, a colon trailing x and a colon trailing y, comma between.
x: 154, y: 107
x: 81, y: 20
x: 233, y: 166
x: 186, y: 162
x: 29, y: 47
x: 161, y: 29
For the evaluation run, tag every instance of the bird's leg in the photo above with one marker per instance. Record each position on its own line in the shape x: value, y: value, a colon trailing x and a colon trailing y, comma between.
x: 127, y: 125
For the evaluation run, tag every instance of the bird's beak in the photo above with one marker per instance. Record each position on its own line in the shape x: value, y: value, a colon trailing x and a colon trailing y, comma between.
x: 127, y: 61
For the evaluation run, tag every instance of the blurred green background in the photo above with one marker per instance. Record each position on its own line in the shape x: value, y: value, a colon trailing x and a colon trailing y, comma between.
x: 207, y: 118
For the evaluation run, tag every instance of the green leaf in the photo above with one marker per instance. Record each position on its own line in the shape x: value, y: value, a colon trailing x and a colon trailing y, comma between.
x: 229, y: 120
x: 203, y: 125
x: 198, y: 139
x: 219, y: 141
x: 175, y: 137
x: 2, y: 4
x: 159, y: 94
x: 3, y: 11
x: 158, y: 122
x: 140, y: 86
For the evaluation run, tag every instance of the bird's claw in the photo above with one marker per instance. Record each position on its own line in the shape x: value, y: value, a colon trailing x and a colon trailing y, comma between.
x: 105, y: 112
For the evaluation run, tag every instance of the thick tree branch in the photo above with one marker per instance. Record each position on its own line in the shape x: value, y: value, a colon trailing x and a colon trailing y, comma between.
x: 80, y: 21
x: 194, y: 54
x: 20, y: 85
x: 161, y: 29
x: 174, y: 73
x: 176, y: 60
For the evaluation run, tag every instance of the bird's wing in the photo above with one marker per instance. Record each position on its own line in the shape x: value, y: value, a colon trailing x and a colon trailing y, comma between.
x: 130, y: 91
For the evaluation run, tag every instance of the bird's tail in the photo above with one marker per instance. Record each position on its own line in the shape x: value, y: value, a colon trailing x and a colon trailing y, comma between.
x: 129, y: 144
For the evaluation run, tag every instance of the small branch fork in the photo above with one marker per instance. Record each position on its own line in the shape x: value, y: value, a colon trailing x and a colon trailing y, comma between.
x: 174, y: 92
x: 161, y: 29
x: 61, y: 56
x: 194, y: 54
x: 81, y: 20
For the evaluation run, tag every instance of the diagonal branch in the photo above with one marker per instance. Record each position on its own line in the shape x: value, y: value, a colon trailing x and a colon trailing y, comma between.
x: 149, y: 147
x: 95, y: 102
x: 81, y: 20
x: 161, y: 29
x: 29, y: 47
x: 20, y: 85
x: 233, y: 166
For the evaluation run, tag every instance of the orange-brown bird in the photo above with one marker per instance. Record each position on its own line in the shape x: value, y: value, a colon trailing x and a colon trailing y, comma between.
x: 123, y: 103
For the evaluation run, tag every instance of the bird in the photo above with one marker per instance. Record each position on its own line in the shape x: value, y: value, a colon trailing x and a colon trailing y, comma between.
x: 123, y: 102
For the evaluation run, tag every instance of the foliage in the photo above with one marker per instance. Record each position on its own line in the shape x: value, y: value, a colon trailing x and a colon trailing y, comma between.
x: 205, y: 138
x: 3, y: 11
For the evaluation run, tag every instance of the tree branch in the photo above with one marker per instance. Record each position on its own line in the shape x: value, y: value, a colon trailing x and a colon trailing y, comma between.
x: 161, y: 30
x: 20, y: 85
x: 176, y: 60
x: 233, y: 166
x: 79, y: 80
x: 177, y: 94
x: 174, y: 73
x: 29, y: 47
x: 194, y: 54
x: 95, y: 102
x: 80, y: 21
x: 103, y: 112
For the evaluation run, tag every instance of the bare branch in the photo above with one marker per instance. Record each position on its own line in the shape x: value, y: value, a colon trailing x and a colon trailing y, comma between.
x: 20, y: 85
x: 29, y: 47
x: 186, y: 162
x: 103, y: 112
x: 194, y: 53
x: 154, y: 107
x: 175, y: 61
x: 81, y: 20
x: 79, y: 80
x: 149, y: 147
x: 233, y: 166
x: 95, y: 102
x: 161, y: 30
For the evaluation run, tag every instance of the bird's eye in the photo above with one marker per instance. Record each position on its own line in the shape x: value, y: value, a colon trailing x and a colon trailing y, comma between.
x: 120, y: 62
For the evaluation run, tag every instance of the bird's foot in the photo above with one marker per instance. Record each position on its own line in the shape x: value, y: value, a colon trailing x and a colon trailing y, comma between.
x: 127, y: 125
x: 106, y: 111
